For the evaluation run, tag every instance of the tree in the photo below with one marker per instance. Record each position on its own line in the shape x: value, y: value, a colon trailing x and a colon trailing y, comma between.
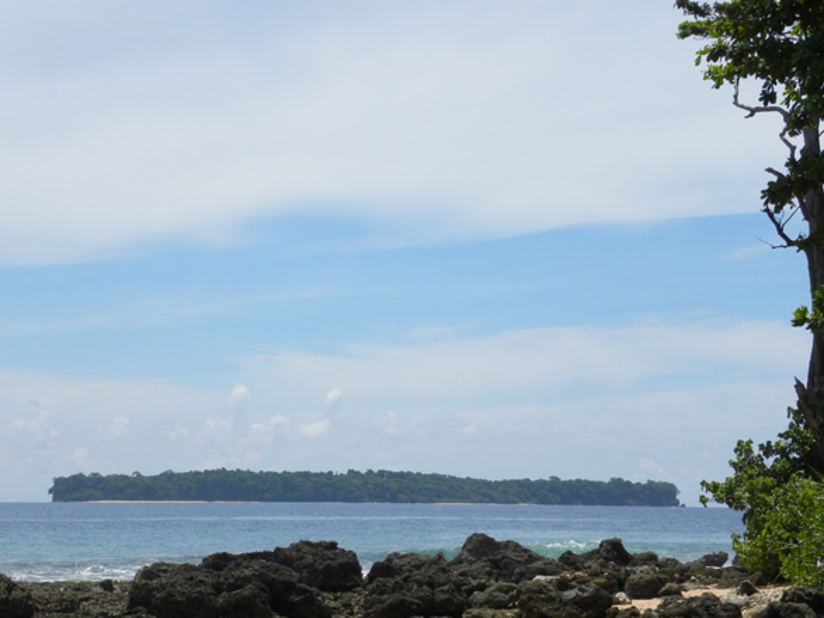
x: 768, y: 484
x: 779, y: 45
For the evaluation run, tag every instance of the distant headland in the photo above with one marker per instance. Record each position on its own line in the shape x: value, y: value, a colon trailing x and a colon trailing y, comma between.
x: 353, y: 486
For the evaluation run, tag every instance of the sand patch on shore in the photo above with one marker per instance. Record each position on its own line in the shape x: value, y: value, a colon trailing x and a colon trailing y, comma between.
x: 764, y: 595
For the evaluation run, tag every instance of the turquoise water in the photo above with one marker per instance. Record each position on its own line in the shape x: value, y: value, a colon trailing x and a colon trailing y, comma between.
x: 78, y: 541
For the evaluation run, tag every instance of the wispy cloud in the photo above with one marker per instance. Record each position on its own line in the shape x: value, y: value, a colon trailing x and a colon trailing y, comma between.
x: 163, y: 311
x: 543, y: 360
x: 746, y: 253
x: 591, y: 402
x: 409, y: 119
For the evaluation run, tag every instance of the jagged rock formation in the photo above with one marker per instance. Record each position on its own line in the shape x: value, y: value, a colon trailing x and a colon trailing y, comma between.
x: 488, y: 579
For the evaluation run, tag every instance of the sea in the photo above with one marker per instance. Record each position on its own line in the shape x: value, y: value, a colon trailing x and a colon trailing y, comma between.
x: 95, y: 541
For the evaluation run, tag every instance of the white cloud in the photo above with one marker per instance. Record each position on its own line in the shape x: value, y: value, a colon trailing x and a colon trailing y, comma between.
x: 36, y: 430
x: 178, y: 433
x: 216, y: 430
x: 746, y: 253
x: 81, y: 458
x: 240, y: 395
x: 333, y: 398
x: 119, y: 428
x: 429, y: 121
x: 650, y: 466
x: 314, y: 430
x: 392, y: 424
x: 238, y: 402
x: 267, y: 432
x: 542, y: 360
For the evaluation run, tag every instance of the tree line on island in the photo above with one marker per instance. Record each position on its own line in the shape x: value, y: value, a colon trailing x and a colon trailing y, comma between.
x: 355, y: 486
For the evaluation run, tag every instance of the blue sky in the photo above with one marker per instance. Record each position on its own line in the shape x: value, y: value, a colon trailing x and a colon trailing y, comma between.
x: 489, y: 240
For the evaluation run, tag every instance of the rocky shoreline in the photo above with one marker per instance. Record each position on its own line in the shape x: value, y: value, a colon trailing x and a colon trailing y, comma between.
x: 487, y: 579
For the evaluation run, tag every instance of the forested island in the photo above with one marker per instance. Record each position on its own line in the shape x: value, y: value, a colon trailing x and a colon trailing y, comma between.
x: 354, y: 486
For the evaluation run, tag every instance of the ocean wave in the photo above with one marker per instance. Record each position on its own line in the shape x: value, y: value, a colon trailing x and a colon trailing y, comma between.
x: 553, y: 550
x: 77, y: 573
x: 124, y: 569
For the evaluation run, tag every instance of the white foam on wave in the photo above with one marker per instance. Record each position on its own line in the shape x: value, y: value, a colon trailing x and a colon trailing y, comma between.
x: 72, y: 572
x: 553, y: 550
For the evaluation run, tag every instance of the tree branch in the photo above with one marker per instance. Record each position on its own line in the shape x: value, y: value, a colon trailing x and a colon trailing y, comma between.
x: 792, y: 213
x: 779, y: 229
x: 770, y: 245
x: 758, y: 110
x: 768, y: 108
x: 790, y: 146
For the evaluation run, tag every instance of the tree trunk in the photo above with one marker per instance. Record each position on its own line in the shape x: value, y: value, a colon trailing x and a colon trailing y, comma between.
x: 811, y: 397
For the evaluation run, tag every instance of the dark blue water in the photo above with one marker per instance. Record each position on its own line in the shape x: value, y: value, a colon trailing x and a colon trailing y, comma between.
x: 78, y: 541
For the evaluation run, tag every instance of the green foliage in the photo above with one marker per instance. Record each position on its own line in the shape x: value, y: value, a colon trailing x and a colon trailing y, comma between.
x: 812, y: 320
x: 782, y: 501
x: 778, y: 44
x: 354, y: 486
x: 755, y: 474
x: 786, y: 535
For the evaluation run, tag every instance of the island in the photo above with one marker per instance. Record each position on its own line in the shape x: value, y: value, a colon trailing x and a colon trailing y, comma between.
x: 353, y: 486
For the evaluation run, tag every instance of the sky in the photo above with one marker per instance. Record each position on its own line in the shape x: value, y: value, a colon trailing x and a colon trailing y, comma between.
x: 496, y: 240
